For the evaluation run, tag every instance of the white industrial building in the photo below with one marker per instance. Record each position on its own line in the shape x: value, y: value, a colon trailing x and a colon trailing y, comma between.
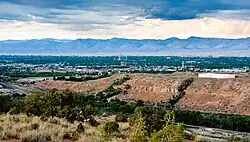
x: 216, y: 75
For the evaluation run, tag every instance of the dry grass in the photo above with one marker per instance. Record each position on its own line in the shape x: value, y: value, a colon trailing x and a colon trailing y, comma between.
x: 29, y: 129
x: 33, y: 129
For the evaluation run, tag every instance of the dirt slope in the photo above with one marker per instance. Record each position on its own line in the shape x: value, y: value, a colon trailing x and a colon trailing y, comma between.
x: 88, y: 86
x: 220, y: 95
x: 152, y: 88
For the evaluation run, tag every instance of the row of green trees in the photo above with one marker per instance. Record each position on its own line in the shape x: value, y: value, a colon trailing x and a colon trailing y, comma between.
x: 68, y: 105
x: 214, y: 120
x: 155, y: 114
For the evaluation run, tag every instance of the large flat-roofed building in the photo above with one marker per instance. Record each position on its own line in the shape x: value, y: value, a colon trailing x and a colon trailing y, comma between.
x: 216, y: 75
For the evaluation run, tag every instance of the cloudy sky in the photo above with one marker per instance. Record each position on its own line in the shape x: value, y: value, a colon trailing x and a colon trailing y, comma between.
x: 139, y: 19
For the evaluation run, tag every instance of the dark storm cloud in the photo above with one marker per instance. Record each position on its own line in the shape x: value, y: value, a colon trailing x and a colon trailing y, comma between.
x: 163, y: 9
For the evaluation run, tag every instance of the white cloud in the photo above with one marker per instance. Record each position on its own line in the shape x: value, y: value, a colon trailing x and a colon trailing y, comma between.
x: 143, y: 28
x: 29, y: 22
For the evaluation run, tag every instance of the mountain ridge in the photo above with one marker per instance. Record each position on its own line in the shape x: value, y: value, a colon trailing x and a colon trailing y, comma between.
x: 173, y: 46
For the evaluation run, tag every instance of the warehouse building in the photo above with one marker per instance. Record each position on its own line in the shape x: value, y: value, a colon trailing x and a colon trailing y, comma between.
x: 216, y: 75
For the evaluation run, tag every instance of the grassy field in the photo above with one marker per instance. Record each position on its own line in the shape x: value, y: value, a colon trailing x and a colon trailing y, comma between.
x: 31, y: 129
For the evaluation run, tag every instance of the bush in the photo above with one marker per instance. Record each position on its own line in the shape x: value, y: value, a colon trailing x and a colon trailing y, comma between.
x: 110, y: 128
x: 171, y: 132
x: 121, y: 118
x: 73, y: 136
x: 93, y: 122
x: 153, y: 118
x: 54, y: 121
x: 5, y: 103
x: 185, y: 84
x: 76, y: 114
x: 127, y: 86
x: 73, y: 107
x: 80, y: 128
x: 139, y: 134
x: 34, y: 126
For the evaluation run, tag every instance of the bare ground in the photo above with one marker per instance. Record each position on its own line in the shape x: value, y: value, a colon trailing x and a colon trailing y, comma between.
x: 87, y: 86
x: 151, y: 88
x: 220, y: 95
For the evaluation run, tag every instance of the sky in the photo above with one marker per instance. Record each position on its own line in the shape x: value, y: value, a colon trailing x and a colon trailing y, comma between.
x: 135, y: 19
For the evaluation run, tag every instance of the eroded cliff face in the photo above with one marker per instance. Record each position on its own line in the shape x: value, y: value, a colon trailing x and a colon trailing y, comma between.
x: 220, y: 95
x: 150, y: 88
x: 84, y: 87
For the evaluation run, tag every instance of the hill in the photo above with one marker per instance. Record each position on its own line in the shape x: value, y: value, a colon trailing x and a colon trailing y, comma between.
x: 217, y: 95
x: 87, y: 87
x: 150, y: 88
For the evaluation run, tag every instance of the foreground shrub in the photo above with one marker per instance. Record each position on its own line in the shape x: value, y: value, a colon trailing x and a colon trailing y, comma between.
x: 139, y: 134
x: 111, y: 127
x: 80, y: 128
x: 153, y: 118
x: 143, y: 126
x: 121, y: 117
x: 34, y: 126
x: 73, y: 136
x: 92, y: 122
x: 54, y: 121
x: 170, y: 133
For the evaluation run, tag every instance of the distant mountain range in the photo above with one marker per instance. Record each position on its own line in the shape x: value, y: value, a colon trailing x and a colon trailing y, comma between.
x: 193, y: 46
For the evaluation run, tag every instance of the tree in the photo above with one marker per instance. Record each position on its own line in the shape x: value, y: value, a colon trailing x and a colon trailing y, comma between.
x: 153, y: 118
x: 172, y: 132
x: 139, y: 134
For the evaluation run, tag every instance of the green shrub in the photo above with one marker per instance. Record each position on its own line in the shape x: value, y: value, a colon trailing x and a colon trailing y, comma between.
x: 110, y: 127
x: 34, y: 126
x: 93, y: 122
x: 80, y: 128
x: 73, y: 136
x: 139, y: 134
x: 54, y: 121
x: 171, y: 132
x: 121, y: 118
x: 153, y: 118
x: 185, y: 84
